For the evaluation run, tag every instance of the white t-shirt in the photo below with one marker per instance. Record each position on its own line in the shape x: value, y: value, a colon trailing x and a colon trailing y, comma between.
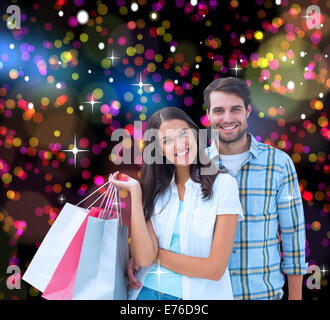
x: 233, y: 162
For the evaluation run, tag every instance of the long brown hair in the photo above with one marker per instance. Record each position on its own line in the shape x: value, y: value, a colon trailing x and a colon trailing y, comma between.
x: 156, y: 178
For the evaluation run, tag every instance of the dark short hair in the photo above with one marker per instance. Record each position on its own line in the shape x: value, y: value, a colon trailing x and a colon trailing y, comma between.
x: 231, y: 85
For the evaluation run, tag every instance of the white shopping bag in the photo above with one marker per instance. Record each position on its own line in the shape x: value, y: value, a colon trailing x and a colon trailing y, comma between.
x: 55, y: 243
x: 103, y: 260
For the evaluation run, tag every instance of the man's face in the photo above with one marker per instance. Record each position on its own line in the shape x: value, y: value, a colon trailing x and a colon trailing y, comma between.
x: 228, y: 115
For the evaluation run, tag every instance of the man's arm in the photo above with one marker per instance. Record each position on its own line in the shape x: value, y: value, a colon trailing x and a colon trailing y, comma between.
x: 295, y: 286
x: 292, y: 228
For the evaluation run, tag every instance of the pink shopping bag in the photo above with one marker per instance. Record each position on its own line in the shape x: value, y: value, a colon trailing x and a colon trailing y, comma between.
x: 61, y: 285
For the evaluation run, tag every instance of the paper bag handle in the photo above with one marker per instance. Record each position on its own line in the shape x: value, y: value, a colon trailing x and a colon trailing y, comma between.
x: 111, y: 193
x: 92, y: 194
x: 114, y: 199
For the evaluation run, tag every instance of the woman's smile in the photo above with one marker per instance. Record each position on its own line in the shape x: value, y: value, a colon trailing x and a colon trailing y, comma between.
x: 185, y: 153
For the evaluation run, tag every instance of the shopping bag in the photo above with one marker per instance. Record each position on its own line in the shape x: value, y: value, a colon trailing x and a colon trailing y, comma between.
x: 103, y: 259
x: 61, y: 284
x: 55, y: 244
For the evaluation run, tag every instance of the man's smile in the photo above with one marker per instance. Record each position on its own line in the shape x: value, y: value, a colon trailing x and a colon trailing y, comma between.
x: 228, y: 128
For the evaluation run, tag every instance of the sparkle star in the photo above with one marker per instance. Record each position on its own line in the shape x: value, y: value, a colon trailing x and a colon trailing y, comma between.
x: 290, y: 197
x: 61, y: 198
x: 141, y: 84
x: 236, y: 68
x: 92, y: 102
x: 111, y: 204
x: 307, y: 17
x: 112, y: 58
x: 74, y: 150
x: 323, y: 271
x: 159, y: 273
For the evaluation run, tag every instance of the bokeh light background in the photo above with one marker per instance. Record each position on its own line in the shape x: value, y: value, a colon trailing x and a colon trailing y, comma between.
x: 78, y: 70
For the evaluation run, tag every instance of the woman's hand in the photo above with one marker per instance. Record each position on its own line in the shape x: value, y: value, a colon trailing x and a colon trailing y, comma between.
x: 128, y: 184
x: 133, y: 283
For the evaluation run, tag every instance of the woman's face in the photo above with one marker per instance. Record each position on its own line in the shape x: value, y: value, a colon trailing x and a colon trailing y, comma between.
x: 178, y: 142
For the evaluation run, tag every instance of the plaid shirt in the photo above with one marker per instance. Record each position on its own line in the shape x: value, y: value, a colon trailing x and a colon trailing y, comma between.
x: 273, y: 215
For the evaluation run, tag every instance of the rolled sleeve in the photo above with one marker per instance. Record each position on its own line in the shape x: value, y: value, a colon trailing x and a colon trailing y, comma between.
x: 292, y: 222
x: 228, y: 201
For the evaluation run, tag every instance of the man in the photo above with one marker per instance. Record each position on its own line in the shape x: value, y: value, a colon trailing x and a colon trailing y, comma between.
x: 270, y: 197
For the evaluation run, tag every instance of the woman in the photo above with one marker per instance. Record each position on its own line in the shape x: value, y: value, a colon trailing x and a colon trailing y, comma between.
x: 183, y: 222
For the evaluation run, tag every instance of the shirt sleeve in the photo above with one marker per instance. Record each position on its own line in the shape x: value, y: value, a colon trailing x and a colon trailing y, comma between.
x: 227, y: 195
x: 292, y: 222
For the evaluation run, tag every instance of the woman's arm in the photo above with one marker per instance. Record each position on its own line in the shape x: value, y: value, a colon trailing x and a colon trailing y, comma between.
x: 143, y: 244
x: 212, y: 267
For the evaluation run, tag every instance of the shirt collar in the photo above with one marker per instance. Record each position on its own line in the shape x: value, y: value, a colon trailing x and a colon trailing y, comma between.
x: 213, y: 149
x: 254, y: 147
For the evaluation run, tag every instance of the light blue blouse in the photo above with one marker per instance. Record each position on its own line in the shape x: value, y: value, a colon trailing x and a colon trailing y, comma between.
x: 162, y: 279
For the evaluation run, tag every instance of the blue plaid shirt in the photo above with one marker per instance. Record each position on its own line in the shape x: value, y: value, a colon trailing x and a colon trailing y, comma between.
x: 273, y: 216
